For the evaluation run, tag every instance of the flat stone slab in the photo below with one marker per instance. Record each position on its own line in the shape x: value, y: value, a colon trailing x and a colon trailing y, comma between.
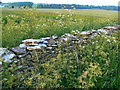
x: 33, y: 47
x: 111, y: 28
x: 8, y: 56
x: 31, y: 41
x: 18, y: 50
x: 2, y: 51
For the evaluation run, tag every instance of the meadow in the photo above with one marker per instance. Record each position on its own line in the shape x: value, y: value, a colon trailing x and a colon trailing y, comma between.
x: 94, y: 65
x: 19, y: 24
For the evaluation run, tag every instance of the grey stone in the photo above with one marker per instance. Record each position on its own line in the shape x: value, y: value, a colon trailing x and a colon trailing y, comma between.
x: 33, y: 48
x: 49, y: 48
x: 19, y: 66
x: 8, y: 57
x: 54, y: 45
x: 22, y: 45
x: 31, y: 41
x: 18, y: 50
x: 2, y: 51
x: 32, y: 44
x: 103, y: 31
x: 45, y: 42
x: 111, y: 28
x: 54, y: 37
x: 42, y: 45
x: 51, y: 41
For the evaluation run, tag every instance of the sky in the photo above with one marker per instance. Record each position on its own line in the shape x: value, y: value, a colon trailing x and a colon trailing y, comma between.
x: 82, y: 2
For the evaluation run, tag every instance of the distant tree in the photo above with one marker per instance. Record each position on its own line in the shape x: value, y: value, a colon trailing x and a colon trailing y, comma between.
x: 12, y: 6
x: 19, y: 4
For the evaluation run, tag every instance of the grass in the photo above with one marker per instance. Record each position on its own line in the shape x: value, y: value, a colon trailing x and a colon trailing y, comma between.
x: 19, y: 24
x: 93, y: 66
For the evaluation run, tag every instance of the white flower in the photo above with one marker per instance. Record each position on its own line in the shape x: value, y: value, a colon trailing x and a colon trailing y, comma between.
x: 93, y: 42
x: 43, y: 24
x: 114, y: 40
x: 56, y: 17
x: 83, y: 46
x: 108, y: 40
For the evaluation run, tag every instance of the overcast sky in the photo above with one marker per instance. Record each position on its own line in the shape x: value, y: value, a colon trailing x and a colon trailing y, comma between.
x: 84, y: 2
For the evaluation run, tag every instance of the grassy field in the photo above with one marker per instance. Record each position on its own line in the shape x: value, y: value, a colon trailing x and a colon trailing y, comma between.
x: 94, y: 65
x: 19, y: 24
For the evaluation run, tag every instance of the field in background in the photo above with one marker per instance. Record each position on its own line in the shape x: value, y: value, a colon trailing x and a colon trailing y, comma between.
x: 19, y: 24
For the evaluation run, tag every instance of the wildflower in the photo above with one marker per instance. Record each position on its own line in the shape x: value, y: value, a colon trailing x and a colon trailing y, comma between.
x: 43, y: 24
x: 83, y: 46
x: 108, y: 40
x: 93, y: 42
x: 114, y: 40
x: 56, y: 17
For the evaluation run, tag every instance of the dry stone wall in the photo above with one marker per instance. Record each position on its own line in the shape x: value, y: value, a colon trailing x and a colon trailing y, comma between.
x: 50, y: 44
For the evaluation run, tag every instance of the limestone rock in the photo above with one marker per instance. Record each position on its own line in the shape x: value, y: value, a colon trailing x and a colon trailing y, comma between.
x: 103, y: 31
x: 2, y: 51
x: 54, y: 37
x: 18, y: 50
x: 111, y: 28
x: 51, y: 42
x: 42, y: 45
x: 8, y: 56
x: 22, y: 45
x: 33, y: 48
x: 32, y: 44
x: 45, y: 42
x: 31, y: 41
x: 49, y: 48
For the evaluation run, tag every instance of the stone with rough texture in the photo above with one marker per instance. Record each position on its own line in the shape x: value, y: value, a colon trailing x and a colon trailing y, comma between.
x: 42, y: 45
x: 18, y: 50
x: 33, y: 48
x: 8, y: 56
x: 2, y: 51
x: 111, y: 28
x: 22, y: 45
x: 31, y: 41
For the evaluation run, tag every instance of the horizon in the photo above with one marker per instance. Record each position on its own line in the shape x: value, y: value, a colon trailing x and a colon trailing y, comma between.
x: 80, y: 2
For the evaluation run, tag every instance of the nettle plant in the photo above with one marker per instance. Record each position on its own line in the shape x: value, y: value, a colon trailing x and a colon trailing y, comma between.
x: 90, y: 64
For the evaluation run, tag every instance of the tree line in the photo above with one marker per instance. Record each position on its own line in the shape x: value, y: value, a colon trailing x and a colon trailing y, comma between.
x: 58, y: 6
x: 75, y: 6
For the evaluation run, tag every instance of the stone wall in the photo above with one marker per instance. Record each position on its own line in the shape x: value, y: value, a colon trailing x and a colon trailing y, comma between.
x: 49, y: 45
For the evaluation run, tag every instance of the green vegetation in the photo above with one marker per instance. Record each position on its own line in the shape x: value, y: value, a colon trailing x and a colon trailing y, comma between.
x: 19, y: 24
x: 94, y: 65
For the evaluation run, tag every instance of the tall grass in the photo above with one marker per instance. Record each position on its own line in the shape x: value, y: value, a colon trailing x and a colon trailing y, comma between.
x: 19, y: 24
